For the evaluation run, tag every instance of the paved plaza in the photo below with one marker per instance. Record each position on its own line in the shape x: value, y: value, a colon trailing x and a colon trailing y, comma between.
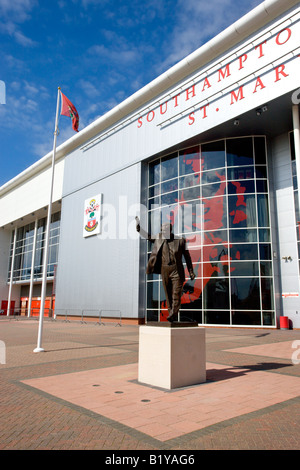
x: 82, y: 392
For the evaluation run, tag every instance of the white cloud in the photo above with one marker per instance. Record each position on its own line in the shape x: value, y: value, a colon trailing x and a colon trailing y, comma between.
x: 12, y: 14
x: 121, y: 54
x: 199, y: 20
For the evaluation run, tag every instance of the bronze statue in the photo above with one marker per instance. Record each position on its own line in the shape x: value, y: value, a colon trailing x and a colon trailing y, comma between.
x: 166, y: 259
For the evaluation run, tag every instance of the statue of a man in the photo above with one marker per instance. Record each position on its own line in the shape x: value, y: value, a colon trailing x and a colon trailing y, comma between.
x: 166, y: 259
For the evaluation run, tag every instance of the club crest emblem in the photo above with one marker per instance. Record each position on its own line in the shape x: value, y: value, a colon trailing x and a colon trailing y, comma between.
x: 91, y: 213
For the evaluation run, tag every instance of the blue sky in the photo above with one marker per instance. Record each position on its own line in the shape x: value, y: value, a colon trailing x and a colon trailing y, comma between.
x: 98, y: 51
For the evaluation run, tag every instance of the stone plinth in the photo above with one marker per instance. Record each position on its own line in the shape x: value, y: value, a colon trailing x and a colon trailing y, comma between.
x: 171, y: 357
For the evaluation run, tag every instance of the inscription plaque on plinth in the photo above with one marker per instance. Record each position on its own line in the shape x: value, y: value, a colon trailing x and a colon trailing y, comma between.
x: 171, y: 355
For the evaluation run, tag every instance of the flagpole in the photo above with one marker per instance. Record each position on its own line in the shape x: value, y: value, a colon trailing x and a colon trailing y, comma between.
x: 46, y: 254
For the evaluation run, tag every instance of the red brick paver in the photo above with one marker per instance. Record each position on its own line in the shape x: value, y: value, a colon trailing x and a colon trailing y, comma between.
x: 69, y: 396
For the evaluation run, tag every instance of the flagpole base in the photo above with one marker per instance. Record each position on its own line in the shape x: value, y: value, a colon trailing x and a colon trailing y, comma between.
x: 36, y: 350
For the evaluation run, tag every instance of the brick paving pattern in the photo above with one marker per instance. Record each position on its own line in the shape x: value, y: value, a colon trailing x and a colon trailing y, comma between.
x: 82, y: 393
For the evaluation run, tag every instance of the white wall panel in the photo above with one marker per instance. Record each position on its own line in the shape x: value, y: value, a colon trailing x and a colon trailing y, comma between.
x: 31, y: 195
x: 101, y: 271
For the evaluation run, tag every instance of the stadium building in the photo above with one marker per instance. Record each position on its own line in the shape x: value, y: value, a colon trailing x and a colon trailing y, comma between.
x: 211, y: 145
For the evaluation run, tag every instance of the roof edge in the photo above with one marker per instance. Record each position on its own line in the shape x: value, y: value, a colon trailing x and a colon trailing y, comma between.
x: 242, y: 28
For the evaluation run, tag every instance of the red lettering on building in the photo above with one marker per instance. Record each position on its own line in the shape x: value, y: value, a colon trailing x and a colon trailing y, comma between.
x: 191, y: 119
x: 238, y: 96
x: 175, y: 98
x: 280, y: 71
x: 206, y: 84
x: 150, y: 116
x: 289, y: 33
x: 242, y: 59
x: 161, y: 108
x: 204, y: 111
x: 261, y: 54
x: 224, y: 74
x: 190, y: 91
x: 217, y: 75
x: 258, y: 83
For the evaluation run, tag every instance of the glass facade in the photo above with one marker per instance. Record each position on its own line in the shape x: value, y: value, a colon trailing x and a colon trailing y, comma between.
x: 216, y: 196
x: 25, y: 246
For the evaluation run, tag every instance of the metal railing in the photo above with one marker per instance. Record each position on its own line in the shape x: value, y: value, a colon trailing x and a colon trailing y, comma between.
x: 88, y: 314
x: 21, y: 313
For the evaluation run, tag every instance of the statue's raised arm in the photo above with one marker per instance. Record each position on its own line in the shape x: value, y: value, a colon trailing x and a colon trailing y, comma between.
x: 141, y: 231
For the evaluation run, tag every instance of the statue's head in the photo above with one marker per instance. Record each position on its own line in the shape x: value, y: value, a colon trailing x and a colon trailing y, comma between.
x: 166, y: 230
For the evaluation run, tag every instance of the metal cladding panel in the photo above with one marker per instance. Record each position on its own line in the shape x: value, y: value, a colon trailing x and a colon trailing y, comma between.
x: 101, y: 271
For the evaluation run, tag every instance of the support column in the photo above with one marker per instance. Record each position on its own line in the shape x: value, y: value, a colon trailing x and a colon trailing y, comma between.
x: 11, y: 272
x: 32, y: 268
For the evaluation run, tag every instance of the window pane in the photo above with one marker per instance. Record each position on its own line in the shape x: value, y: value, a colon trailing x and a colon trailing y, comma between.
x: 264, y: 235
x: 215, y: 237
x: 190, y: 219
x: 209, y: 190
x: 154, y: 190
x: 169, y: 186
x: 189, y: 194
x: 216, y: 294
x: 215, y: 213
x: 243, y: 235
x: 191, y: 315
x: 215, y: 253
x: 269, y: 318
x: 266, y: 268
x: 261, y: 186
x: 169, y: 198
x: 213, y: 176
x: 213, y: 155
x: 241, y: 187
x: 240, y: 173
x: 245, y: 293
x: 215, y: 270
x: 260, y: 150
x: 246, y: 318
x: 263, y: 210
x: 261, y: 171
x: 242, y: 211
x: 267, y: 293
x: 244, y: 251
x: 217, y: 318
x: 265, y: 251
x: 239, y: 152
x: 189, y: 161
x: 169, y: 167
x: 154, y: 173
x: 152, y: 315
x: 244, y: 268
x: 190, y: 180
x: 152, y: 294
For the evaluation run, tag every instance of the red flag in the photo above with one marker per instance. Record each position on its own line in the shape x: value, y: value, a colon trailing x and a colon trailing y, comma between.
x: 68, y: 109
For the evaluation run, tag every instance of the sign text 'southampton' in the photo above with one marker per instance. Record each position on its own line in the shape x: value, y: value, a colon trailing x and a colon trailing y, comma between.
x: 242, y: 74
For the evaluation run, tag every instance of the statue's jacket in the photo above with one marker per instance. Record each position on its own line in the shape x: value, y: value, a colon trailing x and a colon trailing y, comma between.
x: 180, y: 250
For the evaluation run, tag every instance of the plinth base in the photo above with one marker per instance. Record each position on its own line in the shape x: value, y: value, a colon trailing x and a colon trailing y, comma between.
x: 171, y: 357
